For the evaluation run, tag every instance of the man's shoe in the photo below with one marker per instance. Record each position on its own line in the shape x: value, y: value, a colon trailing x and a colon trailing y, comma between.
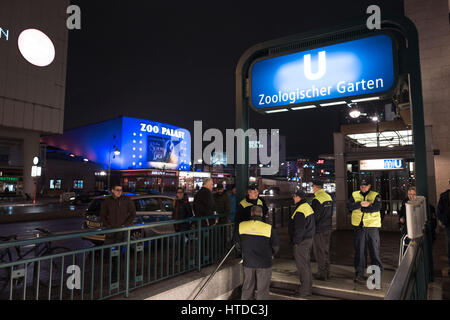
x: 319, y: 276
x: 360, y: 280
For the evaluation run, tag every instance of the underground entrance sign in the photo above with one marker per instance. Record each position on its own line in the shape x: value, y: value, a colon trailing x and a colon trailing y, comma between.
x: 334, y: 73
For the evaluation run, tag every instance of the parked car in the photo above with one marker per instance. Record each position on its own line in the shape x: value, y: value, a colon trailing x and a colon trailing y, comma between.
x: 86, y: 197
x: 149, y: 208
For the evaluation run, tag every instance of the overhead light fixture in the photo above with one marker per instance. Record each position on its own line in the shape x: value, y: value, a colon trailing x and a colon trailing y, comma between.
x: 354, y: 112
x: 279, y: 110
x: 304, y: 107
x: 374, y: 118
x: 332, y: 103
x: 117, y: 152
x: 366, y: 99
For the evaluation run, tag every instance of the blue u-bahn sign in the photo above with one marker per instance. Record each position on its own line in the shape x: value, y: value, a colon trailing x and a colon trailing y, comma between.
x: 353, y: 69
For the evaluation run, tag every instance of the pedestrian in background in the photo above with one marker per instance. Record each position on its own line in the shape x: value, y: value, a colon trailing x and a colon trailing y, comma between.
x: 181, y: 211
x: 444, y: 217
x: 322, y: 205
x: 117, y: 211
x: 258, y: 242
x: 233, y: 202
x: 402, y: 214
x: 204, y: 202
x: 301, y: 228
x: 222, y: 204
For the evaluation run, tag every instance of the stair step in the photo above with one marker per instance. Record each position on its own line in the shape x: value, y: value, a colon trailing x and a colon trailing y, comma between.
x: 345, y: 291
x: 282, y: 294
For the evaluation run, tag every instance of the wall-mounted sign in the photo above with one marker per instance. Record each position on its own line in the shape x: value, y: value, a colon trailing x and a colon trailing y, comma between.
x: 9, y: 179
x: 362, y: 67
x: 381, y: 164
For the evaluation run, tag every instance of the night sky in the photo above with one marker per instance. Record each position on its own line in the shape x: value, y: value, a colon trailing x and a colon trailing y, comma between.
x: 175, y: 62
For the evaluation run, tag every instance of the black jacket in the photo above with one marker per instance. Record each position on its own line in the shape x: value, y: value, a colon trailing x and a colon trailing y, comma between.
x: 223, y: 205
x: 204, y: 204
x: 258, y: 242
x: 301, y: 227
x: 117, y: 212
x: 402, y: 214
x: 323, y: 212
x: 444, y: 208
x: 181, y: 211
x: 243, y: 212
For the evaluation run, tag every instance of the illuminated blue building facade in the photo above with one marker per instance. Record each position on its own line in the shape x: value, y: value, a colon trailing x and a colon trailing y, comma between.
x: 142, y: 144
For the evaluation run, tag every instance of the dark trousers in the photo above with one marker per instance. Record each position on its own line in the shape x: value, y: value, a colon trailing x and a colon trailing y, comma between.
x: 321, y: 248
x: 259, y: 279
x: 371, y: 237
x: 302, y: 255
x: 447, y: 229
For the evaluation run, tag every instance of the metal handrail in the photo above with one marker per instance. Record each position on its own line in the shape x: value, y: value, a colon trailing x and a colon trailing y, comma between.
x: 57, y: 236
x: 162, y: 256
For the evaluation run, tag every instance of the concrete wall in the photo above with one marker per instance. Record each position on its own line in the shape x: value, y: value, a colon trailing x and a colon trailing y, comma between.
x: 432, y: 21
x: 32, y: 97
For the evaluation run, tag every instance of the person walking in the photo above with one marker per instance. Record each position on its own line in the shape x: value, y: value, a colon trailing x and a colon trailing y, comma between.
x: 258, y: 242
x: 222, y: 204
x: 301, y: 228
x: 365, y: 206
x: 204, y: 203
x: 444, y: 216
x: 322, y: 205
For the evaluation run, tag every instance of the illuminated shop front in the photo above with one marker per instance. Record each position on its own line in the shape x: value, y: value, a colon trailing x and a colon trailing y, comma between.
x: 141, y: 154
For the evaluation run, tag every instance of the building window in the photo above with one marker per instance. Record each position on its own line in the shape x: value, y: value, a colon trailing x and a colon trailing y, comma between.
x: 55, y: 184
x: 78, y: 184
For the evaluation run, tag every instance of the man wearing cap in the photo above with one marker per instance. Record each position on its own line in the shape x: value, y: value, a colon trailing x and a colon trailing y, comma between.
x: 322, y: 205
x: 252, y: 199
x: 222, y: 202
x: 365, y: 206
x: 301, y: 229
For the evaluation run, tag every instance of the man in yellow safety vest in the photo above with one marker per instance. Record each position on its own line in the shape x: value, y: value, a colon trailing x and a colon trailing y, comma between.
x: 365, y: 206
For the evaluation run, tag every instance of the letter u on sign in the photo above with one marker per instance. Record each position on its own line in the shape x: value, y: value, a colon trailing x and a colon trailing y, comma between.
x: 322, y: 66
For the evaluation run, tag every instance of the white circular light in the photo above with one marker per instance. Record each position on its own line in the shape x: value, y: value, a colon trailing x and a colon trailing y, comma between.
x: 36, y: 47
x: 35, y: 160
x: 355, y: 113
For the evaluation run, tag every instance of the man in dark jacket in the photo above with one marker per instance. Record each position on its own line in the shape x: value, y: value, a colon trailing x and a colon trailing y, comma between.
x: 204, y: 202
x: 444, y: 216
x: 244, y: 207
x: 117, y: 211
x: 301, y: 230
x: 322, y: 204
x: 259, y: 243
x: 181, y: 211
x: 222, y: 203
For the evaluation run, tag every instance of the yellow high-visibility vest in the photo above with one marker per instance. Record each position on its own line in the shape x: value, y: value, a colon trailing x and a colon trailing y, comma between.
x: 322, y: 196
x: 304, y: 208
x: 370, y: 219
x: 244, y: 203
x: 255, y: 228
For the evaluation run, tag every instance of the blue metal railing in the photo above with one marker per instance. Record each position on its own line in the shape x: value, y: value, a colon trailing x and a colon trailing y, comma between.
x: 109, y: 269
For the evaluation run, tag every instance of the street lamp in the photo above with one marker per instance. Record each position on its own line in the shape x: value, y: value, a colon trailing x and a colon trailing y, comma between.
x: 116, y: 153
x: 35, y: 174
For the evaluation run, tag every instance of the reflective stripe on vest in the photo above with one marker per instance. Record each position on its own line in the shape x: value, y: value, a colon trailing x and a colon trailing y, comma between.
x: 304, y: 208
x: 255, y: 228
x: 244, y: 203
x: 370, y: 219
x: 322, y: 196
